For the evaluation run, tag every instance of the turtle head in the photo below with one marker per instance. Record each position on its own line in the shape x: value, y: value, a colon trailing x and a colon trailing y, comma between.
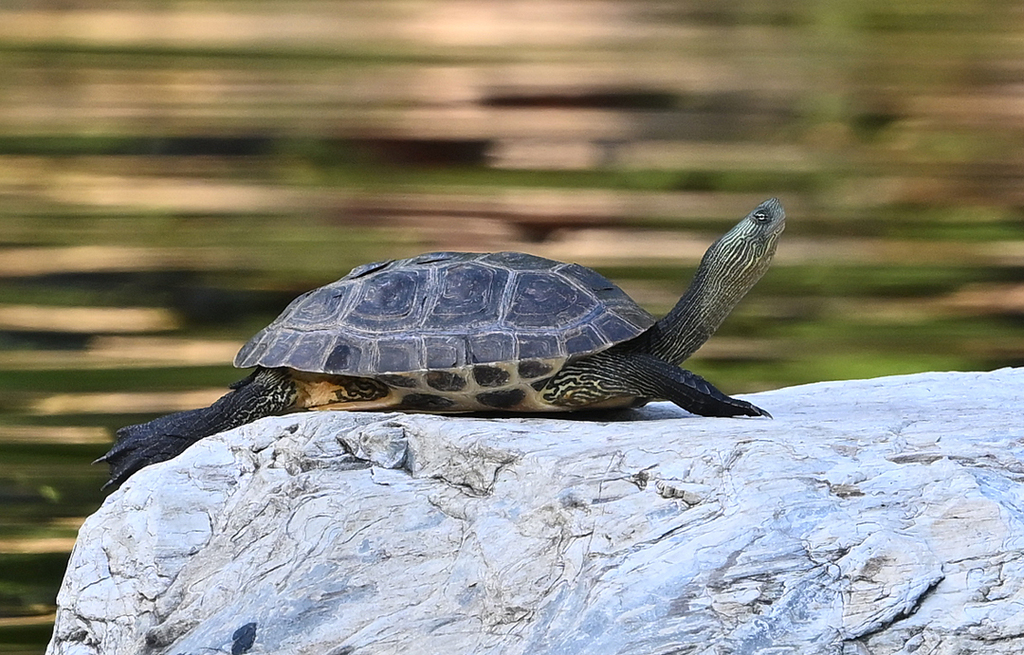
x: 751, y: 243
x: 728, y: 270
x: 741, y: 256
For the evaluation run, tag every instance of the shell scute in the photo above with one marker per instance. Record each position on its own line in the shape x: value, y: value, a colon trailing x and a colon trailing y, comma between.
x: 444, y: 351
x: 491, y: 347
x: 312, y: 347
x: 396, y: 356
x: 541, y: 299
x: 540, y: 346
x: 389, y: 299
x: 469, y: 296
x: 588, y: 278
x: 614, y: 329
x: 278, y: 353
x: 583, y: 339
x: 316, y: 309
x: 343, y: 357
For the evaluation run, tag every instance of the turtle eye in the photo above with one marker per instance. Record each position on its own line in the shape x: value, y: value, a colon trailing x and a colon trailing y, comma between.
x: 761, y: 216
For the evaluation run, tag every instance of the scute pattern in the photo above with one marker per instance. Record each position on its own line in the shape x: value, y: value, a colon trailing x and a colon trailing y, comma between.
x: 386, y: 299
x: 540, y: 298
x: 447, y: 310
x: 468, y: 298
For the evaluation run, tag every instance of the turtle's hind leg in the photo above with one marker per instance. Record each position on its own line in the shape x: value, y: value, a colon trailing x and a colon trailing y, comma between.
x: 264, y: 393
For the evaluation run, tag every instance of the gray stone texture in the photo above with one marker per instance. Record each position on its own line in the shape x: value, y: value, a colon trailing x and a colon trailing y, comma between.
x: 869, y: 517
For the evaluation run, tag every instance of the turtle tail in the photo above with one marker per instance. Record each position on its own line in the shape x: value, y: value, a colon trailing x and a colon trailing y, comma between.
x: 264, y: 393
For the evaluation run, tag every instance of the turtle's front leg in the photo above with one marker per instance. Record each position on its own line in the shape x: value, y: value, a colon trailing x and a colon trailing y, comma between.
x: 659, y: 379
x: 614, y: 374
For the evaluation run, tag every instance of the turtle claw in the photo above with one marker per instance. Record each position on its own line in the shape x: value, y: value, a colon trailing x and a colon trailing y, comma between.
x: 759, y: 412
x: 727, y: 406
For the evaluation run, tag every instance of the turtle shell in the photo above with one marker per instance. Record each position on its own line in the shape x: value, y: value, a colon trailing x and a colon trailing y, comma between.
x: 447, y: 310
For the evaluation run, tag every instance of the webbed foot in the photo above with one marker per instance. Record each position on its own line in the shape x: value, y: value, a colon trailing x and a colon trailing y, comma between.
x: 138, y: 446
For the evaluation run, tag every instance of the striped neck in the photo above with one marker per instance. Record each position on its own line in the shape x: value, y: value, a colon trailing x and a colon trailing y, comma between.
x: 728, y: 270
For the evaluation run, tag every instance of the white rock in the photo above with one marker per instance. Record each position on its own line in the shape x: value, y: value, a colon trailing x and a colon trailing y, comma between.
x: 878, y: 516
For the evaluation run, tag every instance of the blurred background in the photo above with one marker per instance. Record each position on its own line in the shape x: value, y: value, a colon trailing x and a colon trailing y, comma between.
x: 173, y: 173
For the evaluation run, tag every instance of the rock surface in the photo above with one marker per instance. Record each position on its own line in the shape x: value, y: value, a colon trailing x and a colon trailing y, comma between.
x: 870, y: 517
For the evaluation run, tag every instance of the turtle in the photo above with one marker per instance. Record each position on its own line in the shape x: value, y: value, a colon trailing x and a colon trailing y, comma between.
x: 452, y: 332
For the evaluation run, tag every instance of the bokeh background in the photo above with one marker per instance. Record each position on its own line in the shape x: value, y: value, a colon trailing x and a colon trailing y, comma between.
x: 173, y: 173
